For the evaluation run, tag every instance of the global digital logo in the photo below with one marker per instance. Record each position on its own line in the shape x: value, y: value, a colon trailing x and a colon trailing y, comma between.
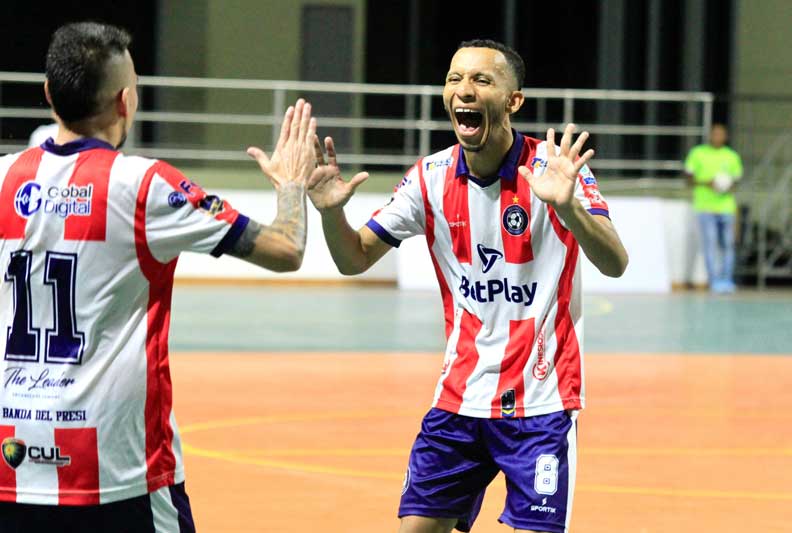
x: 27, y: 199
x: 13, y: 451
x: 488, y: 256
x: 537, y: 164
x: 75, y: 200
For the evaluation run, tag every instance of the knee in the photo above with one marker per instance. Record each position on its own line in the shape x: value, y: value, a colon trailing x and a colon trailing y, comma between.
x: 425, y: 524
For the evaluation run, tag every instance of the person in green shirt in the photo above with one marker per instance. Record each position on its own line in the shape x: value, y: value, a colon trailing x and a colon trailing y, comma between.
x: 713, y: 170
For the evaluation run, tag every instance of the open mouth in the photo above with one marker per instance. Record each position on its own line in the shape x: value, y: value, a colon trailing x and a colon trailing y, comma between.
x: 468, y: 120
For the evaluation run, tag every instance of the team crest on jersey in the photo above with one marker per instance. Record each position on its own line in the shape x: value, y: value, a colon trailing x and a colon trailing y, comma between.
x: 14, y: 451
x: 30, y: 198
x: 515, y: 220
x: 211, y: 204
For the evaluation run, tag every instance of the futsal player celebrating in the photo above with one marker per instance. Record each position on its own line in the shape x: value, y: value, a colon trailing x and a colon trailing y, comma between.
x: 89, y: 240
x: 504, y: 217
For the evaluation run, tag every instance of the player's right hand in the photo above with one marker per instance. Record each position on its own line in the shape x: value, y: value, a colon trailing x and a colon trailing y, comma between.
x: 326, y: 188
x: 293, y: 158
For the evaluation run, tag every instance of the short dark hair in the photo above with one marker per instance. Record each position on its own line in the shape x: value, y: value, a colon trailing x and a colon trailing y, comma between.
x: 514, y: 60
x: 76, y: 66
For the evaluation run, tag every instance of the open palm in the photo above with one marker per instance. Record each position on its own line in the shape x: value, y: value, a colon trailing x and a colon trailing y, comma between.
x: 556, y: 186
x: 326, y: 187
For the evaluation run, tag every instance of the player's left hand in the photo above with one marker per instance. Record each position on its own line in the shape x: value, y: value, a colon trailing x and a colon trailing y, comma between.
x: 556, y: 186
x: 326, y: 188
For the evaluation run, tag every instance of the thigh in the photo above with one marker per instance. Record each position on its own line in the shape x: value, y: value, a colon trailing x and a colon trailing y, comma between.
x: 449, y: 470
x: 538, y: 456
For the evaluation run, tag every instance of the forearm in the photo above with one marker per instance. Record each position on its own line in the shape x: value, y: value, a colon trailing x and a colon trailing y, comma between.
x: 344, y: 243
x: 599, y: 240
x: 279, y: 246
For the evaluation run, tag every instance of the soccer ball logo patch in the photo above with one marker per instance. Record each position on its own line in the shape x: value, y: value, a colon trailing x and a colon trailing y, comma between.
x: 515, y: 220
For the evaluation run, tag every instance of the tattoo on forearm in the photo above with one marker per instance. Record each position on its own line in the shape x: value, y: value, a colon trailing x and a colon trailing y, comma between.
x: 290, y: 222
x: 247, y: 241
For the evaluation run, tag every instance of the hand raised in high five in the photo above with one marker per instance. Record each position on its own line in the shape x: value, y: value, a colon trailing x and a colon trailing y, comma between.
x: 326, y: 188
x: 556, y: 186
x: 293, y: 158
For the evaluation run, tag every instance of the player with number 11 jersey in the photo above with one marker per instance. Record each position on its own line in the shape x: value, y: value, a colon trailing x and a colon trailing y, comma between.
x: 89, y: 239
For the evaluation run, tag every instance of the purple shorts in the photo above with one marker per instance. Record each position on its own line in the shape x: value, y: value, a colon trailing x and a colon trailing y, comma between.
x: 455, y: 457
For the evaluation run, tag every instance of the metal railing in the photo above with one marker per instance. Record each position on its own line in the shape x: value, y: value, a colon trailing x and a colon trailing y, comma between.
x: 696, y: 128
x: 766, y: 241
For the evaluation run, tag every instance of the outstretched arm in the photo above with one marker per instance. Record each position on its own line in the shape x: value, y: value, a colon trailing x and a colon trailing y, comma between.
x: 353, y: 251
x: 280, y: 246
x: 556, y: 187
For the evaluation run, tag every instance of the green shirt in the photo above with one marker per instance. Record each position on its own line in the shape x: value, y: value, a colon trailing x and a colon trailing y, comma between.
x: 704, y: 162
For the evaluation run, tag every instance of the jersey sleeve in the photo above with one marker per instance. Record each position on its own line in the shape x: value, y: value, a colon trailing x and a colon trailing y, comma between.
x: 181, y: 216
x: 588, y: 193
x: 404, y: 215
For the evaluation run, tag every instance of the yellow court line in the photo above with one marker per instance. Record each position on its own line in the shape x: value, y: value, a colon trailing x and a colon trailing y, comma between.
x: 373, y: 413
x: 294, y: 417
x: 297, y: 467
x: 369, y: 474
x: 598, y: 451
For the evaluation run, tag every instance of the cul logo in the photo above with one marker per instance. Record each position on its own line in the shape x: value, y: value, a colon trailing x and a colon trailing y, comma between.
x: 488, y: 257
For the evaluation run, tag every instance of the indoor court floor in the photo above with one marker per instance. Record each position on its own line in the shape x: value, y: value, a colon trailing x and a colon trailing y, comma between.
x: 298, y: 407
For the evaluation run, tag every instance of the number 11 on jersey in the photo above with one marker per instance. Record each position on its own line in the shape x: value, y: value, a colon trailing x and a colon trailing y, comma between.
x: 63, y: 342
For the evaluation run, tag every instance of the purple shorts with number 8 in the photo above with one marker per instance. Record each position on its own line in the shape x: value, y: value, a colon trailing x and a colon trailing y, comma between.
x: 455, y: 457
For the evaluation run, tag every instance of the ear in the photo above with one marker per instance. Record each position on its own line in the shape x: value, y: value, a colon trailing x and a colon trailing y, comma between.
x: 47, y: 92
x: 122, y: 102
x: 515, y: 102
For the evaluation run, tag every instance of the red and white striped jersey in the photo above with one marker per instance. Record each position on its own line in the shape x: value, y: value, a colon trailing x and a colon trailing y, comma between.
x: 509, y: 275
x: 89, y: 240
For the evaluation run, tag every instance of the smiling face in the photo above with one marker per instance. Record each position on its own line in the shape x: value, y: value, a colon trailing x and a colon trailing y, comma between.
x: 479, y: 95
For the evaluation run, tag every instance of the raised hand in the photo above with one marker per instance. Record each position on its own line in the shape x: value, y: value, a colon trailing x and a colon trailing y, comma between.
x: 326, y: 188
x: 293, y: 158
x: 556, y: 186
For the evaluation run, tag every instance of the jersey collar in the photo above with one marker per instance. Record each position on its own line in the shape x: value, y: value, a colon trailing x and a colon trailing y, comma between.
x: 80, y: 145
x: 507, y: 170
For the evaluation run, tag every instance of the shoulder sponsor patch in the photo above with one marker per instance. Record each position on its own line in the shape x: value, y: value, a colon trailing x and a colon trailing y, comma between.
x: 538, y: 165
x: 432, y: 165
